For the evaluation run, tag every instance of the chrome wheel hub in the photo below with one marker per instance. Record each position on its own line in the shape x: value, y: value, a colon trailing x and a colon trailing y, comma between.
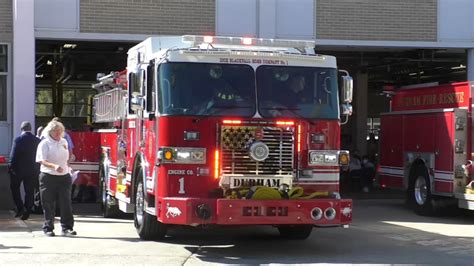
x: 139, y: 204
x: 421, y: 190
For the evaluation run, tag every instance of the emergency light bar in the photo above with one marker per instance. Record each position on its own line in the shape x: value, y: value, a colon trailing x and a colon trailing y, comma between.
x: 197, y: 40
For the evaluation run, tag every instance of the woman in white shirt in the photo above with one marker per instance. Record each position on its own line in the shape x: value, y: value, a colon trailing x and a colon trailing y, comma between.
x: 54, y: 179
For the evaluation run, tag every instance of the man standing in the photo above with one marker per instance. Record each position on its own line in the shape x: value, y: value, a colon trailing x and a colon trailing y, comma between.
x: 23, y: 169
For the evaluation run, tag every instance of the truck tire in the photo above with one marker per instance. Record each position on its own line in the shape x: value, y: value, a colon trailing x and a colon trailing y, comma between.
x: 420, y: 190
x: 297, y: 232
x: 147, y: 225
x: 109, y: 205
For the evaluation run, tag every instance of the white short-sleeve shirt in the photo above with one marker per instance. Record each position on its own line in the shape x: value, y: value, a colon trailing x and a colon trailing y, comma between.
x: 55, y: 152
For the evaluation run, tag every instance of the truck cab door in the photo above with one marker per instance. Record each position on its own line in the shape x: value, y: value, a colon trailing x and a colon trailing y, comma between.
x: 136, y: 104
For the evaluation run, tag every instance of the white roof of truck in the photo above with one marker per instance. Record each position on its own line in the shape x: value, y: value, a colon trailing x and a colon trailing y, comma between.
x: 217, y: 46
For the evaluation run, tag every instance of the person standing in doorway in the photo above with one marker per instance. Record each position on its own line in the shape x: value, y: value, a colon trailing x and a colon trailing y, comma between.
x: 23, y: 169
x: 39, y: 132
x: 37, y: 208
x: 54, y: 179
x: 372, y: 148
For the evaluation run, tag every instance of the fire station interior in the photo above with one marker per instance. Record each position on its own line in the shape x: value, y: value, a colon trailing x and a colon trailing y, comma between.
x: 390, y: 69
x: 65, y: 70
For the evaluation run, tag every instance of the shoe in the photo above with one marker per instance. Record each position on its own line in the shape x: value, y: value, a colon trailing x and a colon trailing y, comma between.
x: 25, y: 216
x: 37, y: 210
x: 49, y: 233
x: 69, y: 232
x: 19, y: 213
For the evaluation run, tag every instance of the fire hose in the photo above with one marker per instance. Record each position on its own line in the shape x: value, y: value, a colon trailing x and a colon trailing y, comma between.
x: 262, y: 193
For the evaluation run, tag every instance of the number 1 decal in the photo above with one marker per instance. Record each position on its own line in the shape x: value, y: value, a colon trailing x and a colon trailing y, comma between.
x: 181, y: 185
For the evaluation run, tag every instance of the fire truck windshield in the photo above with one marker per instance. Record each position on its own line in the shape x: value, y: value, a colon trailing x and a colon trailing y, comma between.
x: 206, y: 89
x: 291, y: 91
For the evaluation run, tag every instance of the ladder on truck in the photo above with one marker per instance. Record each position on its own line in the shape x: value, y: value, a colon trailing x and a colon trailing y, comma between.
x: 110, y: 105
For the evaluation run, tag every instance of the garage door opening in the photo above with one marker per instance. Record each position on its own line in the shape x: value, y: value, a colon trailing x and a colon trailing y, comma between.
x: 65, y: 71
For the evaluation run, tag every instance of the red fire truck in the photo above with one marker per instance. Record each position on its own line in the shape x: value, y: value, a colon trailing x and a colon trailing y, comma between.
x: 426, y: 145
x: 204, y: 130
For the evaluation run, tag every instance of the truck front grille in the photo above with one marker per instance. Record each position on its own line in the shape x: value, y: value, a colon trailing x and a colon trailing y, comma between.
x: 235, y: 142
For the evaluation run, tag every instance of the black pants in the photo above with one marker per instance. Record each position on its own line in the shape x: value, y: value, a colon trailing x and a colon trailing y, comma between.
x: 15, y: 183
x: 52, y: 188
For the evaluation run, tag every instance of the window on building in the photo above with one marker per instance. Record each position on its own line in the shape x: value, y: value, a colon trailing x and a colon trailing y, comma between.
x: 373, y: 126
x: 3, y: 82
x: 3, y: 97
x: 3, y: 59
x: 75, y: 102
x: 44, y: 102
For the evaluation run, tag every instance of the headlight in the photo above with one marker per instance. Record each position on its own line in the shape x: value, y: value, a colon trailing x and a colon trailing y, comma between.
x: 316, y: 157
x: 323, y: 157
x: 182, y: 155
x: 330, y: 158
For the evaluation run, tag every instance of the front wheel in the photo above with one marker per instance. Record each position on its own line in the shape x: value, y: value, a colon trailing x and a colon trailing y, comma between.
x: 147, y: 225
x: 420, y: 191
x: 109, y: 204
x: 298, y: 232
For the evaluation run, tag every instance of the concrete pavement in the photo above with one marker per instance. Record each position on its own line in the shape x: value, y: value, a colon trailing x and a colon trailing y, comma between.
x: 10, y: 224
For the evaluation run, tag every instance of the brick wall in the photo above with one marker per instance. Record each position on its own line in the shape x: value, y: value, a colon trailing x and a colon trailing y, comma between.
x: 6, y: 21
x: 400, y: 20
x: 164, y: 17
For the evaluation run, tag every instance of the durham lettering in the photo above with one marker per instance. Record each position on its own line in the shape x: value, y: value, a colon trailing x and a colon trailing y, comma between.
x: 243, y: 182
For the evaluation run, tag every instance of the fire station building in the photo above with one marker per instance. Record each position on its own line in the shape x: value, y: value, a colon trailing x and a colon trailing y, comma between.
x: 52, y: 50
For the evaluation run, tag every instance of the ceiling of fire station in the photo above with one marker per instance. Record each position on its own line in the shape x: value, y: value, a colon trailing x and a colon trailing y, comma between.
x: 402, y: 66
x: 72, y: 62
x: 78, y: 62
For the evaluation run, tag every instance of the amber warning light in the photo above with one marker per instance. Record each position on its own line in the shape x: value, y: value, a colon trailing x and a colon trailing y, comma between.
x: 216, y: 164
x: 235, y: 122
x: 285, y: 123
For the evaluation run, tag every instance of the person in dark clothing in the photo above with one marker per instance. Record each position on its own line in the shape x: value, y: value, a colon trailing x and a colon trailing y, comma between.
x: 288, y: 97
x: 368, y: 174
x: 37, y: 208
x: 294, y: 94
x: 23, y: 169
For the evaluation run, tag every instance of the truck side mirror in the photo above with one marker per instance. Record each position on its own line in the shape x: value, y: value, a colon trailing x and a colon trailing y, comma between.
x: 347, y: 89
x: 135, y: 88
x: 346, y: 95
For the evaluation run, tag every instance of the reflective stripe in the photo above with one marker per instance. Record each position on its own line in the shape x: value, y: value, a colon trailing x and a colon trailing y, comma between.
x: 444, y: 175
x: 85, y: 167
x: 393, y: 171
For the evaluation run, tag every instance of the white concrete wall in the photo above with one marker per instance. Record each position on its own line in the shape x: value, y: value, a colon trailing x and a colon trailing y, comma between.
x: 455, y: 20
x: 57, y: 15
x: 236, y: 18
x: 284, y: 19
x: 23, y: 64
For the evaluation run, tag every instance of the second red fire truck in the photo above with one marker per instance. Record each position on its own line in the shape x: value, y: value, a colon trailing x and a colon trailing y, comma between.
x: 204, y: 130
x: 427, y: 146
